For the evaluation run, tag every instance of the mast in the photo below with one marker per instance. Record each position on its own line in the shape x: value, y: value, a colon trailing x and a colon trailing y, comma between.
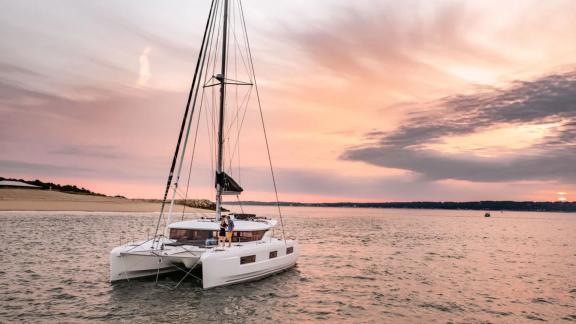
x: 222, y: 79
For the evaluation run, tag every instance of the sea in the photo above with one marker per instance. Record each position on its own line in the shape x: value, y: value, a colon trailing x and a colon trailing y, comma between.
x: 356, y: 266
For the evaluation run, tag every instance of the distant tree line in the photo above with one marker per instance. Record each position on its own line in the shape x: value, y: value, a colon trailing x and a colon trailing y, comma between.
x: 557, y: 206
x: 53, y: 186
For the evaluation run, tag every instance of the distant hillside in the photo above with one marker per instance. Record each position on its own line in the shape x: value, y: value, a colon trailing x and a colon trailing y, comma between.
x: 53, y: 186
x: 472, y: 205
x: 192, y: 203
x: 72, y: 189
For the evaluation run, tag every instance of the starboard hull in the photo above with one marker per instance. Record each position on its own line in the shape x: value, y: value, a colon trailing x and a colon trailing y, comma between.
x: 225, y: 268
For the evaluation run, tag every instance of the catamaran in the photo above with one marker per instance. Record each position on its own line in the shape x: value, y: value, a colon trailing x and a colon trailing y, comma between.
x: 190, y: 244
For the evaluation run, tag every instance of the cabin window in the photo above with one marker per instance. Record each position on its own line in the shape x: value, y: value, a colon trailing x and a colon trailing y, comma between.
x: 191, y: 236
x: 290, y: 250
x: 248, y: 259
x: 273, y: 254
x: 248, y: 236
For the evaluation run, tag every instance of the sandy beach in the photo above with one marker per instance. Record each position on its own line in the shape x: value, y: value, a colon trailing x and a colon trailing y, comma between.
x: 45, y: 200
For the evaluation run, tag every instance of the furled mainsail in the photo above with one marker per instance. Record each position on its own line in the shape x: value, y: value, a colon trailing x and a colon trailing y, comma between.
x: 228, y: 185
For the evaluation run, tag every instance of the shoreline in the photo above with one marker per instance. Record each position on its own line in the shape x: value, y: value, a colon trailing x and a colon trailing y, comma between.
x: 43, y: 200
x: 484, y: 206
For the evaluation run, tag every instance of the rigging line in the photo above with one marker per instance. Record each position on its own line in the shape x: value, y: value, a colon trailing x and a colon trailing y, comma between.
x: 217, y: 42
x: 193, y: 152
x: 221, y: 112
x: 190, y: 122
x: 263, y: 125
x: 243, y: 103
x: 214, y: 94
x: 181, y: 196
x: 238, y: 105
x: 209, y: 125
x: 251, y: 75
x: 208, y: 130
x: 237, y: 143
x: 210, y: 102
x: 212, y: 128
x: 187, y: 274
x: 235, y: 57
x: 243, y: 60
x: 236, y: 101
x: 228, y: 150
x: 210, y: 47
x: 226, y: 138
x: 240, y: 51
x: 239, y: 162
x: 246, y: 97
x: 240, y: 203
x: 242, y: 120
x: 229, y: 65
x: 184, y: 120
x: 205, y: 72
x: 213, y: 49
x: 244, y: 63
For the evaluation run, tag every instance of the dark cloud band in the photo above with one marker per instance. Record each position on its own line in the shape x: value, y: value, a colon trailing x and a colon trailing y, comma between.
x: 550, y: 99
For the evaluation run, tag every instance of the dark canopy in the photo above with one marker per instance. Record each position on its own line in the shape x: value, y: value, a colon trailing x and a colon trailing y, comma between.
x: 229, y: 186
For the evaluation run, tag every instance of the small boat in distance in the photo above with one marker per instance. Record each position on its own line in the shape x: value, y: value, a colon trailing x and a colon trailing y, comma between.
x: 191, y: 244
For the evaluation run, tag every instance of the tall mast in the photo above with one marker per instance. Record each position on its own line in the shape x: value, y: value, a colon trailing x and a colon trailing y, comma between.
x: 222, y: 79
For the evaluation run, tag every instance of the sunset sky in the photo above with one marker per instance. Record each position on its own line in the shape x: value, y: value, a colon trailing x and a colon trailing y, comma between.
x: 365, y: 100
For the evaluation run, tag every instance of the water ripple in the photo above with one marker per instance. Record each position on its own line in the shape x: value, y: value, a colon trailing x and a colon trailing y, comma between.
x: 357, y: 265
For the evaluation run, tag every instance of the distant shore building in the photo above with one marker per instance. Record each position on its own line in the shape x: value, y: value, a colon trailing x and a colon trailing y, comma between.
x: 17, y: 185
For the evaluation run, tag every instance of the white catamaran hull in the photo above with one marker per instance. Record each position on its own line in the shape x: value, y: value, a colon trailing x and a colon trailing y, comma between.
x: 138, y: 260
x: 220, y: 266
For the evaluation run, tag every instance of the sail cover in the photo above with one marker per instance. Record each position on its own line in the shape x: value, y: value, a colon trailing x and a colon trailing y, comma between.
x: 229, y: 186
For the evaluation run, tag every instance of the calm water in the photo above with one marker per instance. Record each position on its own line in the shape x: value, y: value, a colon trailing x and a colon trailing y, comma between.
x: 357, y: 265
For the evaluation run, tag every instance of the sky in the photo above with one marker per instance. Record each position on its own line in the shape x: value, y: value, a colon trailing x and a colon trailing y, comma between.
x: 365, y: 100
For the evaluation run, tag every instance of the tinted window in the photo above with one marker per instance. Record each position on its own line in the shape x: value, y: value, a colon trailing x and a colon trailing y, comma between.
x: 248, y: 259
x: 191, y: 236
x: 289, y: 250
x: 248, y: 236
x: 199, y: 236
x: 273, y: 254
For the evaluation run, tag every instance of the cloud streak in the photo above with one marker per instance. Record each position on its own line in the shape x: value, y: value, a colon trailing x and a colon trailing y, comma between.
x: 549, y: 99
x: 93, y: 151
x: 145, y: 73
x: 9, y: 167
